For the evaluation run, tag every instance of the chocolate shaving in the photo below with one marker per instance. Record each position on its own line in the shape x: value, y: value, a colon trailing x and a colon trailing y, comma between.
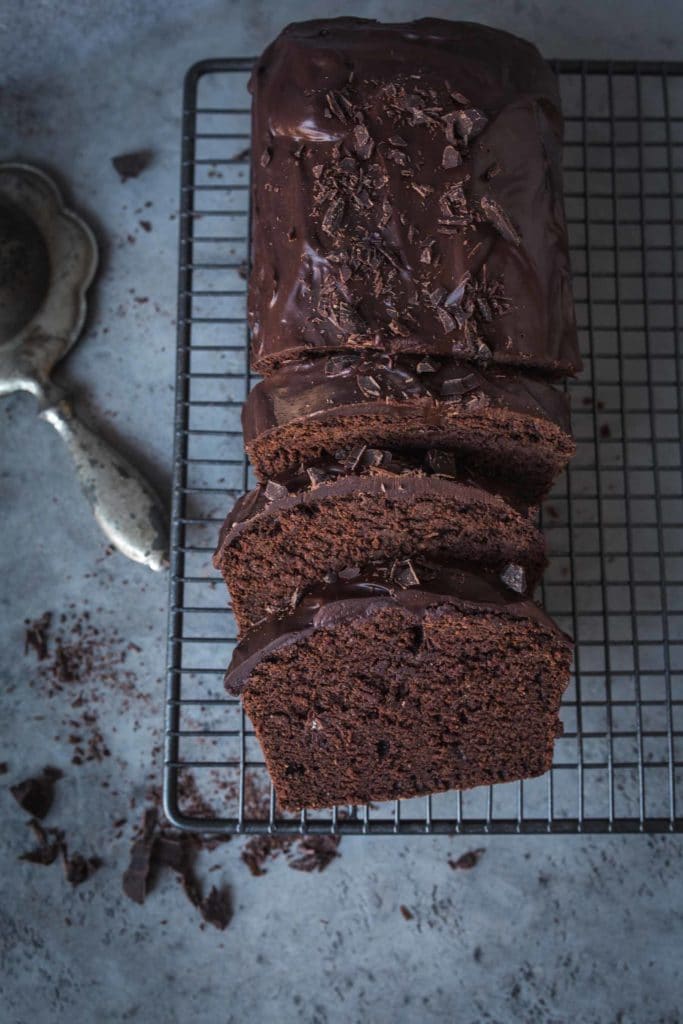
x: 333, y: 102
x: 77, y: 868
x: 35, y: 795
x: 49, y: 844
x: 266, y: 156
x: 514, y: 577
x: 216, y: 909
x: 496, y: 216
x: 333, y: 216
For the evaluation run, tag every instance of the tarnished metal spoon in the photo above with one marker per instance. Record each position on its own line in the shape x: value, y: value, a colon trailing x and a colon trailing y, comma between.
x: 48, y: 258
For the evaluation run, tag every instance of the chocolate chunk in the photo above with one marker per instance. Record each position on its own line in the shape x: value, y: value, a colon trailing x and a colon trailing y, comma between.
x: 373, y: 457
x: 354, y: 458
x: 397, y: 140
x: 442, y: 463
x: 455, y: 297
x: 407, y: 914
x: 362, y: 142
x: 136, y: 875
x: 403, y: 574
x: 465, y: 124
x: 496, y: 216
x: 514, y: 577
x: 216, y: 909
x: 315, y: 853
x: 337, y: 365
x: 334, y: 214
x: 35, y: 795
x: 426, y: 365
x: 369, y: 386
x: 459, y: 98
x: 130, y: 165
x: 266, y: 156
x: 333, y: 102
x: 274, y: 491
x: 445, y: 319
x: 258, y: 849
x: 77, y: 868
x: 451, y: 158
x: 317, y: 475
x: 349, y: 573
x: 437, y: 295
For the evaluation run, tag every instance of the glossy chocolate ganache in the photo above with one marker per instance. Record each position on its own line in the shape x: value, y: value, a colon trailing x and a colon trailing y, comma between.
x: 407, y: 196
x: 327, y: 605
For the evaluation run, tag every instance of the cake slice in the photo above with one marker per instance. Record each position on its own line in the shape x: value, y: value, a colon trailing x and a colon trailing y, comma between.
x: 503, y: 425
x: 407, y: 196
x: 368, y: 692
x: 282, y: 538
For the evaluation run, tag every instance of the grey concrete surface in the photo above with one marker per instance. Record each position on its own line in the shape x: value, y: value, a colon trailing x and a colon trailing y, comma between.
x: 544, y: 929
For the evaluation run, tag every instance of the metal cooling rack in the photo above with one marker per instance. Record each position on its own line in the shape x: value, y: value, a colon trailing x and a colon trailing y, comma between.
x: 614, y: 523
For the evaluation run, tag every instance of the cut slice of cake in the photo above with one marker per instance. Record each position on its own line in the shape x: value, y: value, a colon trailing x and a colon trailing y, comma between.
x: 502, y: 425
x: 368, y: 692
x: 282, y: 538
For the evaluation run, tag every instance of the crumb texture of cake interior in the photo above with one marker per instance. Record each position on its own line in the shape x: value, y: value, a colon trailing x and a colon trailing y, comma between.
x: 407, y: 196
x: 370, y: 692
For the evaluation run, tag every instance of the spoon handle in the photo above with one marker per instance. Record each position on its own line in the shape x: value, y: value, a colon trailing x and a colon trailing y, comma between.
x: 130, y: 514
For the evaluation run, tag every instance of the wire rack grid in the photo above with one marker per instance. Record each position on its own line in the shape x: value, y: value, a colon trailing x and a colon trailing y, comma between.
x: 614, y: 523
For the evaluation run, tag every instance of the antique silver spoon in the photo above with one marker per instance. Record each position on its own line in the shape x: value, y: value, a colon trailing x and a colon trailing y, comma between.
x: 48, y: 258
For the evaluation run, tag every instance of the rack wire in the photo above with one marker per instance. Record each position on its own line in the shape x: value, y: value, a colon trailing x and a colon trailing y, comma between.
x: 614, y: 523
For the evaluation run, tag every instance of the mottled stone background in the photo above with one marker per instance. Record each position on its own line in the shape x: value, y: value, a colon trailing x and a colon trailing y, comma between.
x: 545, y: 929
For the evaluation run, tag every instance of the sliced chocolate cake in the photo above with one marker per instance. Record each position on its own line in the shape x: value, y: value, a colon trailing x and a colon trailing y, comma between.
x: 284, y: 537
x: 369, y: 692
x: 504, y: 425
x: 407, y: 196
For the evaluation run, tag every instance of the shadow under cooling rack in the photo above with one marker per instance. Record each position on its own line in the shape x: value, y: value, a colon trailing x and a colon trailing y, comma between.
x: 614, y: 524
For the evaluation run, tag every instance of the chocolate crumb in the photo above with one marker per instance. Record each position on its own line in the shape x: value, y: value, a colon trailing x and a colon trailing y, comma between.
x: 407, y: 914
x: 36, y: 636
x: 216, y: 909
x: 451, y: 158
x: 146, y: 225
x: 403, y: 573
x: 274, y: 490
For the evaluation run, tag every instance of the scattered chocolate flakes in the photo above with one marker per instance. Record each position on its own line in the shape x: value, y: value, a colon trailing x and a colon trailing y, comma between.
x: 216, y: 909
x: 274, y: 490
x: 451, y: 158
x: 130, y: 165
x: 407, y: 914
x: 514, y: 577
x: 496, y: 216
x: 403, y: 574
x: 315, y: 853
x: 467, y: 860
x: 36, y: 635
x: 35, y: 795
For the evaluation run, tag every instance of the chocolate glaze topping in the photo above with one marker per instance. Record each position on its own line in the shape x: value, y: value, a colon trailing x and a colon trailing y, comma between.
x: 353, y: 383
x: 326, y: 606
x: 366, y: 470
x: 407, y: 196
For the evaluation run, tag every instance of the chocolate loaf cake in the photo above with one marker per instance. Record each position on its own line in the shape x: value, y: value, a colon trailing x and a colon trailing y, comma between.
x: 501, y: 424
x: 283, y: 538
x: 367, y: 691
x: 407, y: 196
